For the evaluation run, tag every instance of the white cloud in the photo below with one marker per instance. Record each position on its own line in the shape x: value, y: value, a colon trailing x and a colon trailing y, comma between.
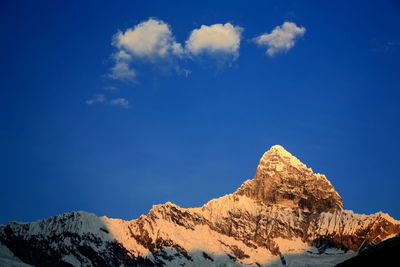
x: 152, y: 42
x: 121, y: 55
x: 97, y: 98
x: 152, y: 39
x: 217, y: 38
x: 120, y: 102
x: 281, y: 39
x: 121, y: 71
x: 177, y: 49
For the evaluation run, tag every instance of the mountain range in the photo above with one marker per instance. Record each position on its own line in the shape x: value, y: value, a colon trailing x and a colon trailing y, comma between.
x: 287, y: 215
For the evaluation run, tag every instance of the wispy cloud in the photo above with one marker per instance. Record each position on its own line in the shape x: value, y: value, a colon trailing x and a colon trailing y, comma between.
x: 97, y: 98
x: 122, y: 71
x: 120, y: 102
x: 214, y: 39
x: 123, y: 56
x: 281, y: 39
x: 102, y: 99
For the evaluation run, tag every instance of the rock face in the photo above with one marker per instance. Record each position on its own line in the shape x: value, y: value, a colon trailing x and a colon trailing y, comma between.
x: 282, y: 179
x: 286, y: 216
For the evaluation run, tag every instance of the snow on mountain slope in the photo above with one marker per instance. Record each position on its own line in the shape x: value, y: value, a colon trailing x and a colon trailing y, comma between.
x: 7, y: 258
x: 285, y: 216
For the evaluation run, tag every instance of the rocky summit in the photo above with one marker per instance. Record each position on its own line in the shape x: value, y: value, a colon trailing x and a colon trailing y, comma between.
x: 287, y: 215
x: 282, y: 179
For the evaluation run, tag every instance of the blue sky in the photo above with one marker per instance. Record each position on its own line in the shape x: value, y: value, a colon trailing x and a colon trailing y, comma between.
x: 189, y: 125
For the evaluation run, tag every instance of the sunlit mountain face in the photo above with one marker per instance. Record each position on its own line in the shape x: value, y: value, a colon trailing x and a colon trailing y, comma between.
x: 108, y: 109
x: 287, y: 215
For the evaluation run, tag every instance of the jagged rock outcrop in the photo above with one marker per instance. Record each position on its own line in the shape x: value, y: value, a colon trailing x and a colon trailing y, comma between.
x: 282, y: 179
x: 286, y: 215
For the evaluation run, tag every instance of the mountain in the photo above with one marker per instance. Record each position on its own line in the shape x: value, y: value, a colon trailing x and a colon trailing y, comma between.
x: 385, y: 253
x: 287, y: 215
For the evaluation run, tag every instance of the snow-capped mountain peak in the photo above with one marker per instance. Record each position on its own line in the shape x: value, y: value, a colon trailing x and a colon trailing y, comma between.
x: 285, y: 216
x: 269, y: 161
x: 283, y: 179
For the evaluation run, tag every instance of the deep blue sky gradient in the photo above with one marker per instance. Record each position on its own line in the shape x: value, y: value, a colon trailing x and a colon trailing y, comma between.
x: 332, y: 101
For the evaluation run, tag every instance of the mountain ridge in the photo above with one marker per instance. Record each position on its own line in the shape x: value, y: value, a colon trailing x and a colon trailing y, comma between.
x: 285, y: 215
